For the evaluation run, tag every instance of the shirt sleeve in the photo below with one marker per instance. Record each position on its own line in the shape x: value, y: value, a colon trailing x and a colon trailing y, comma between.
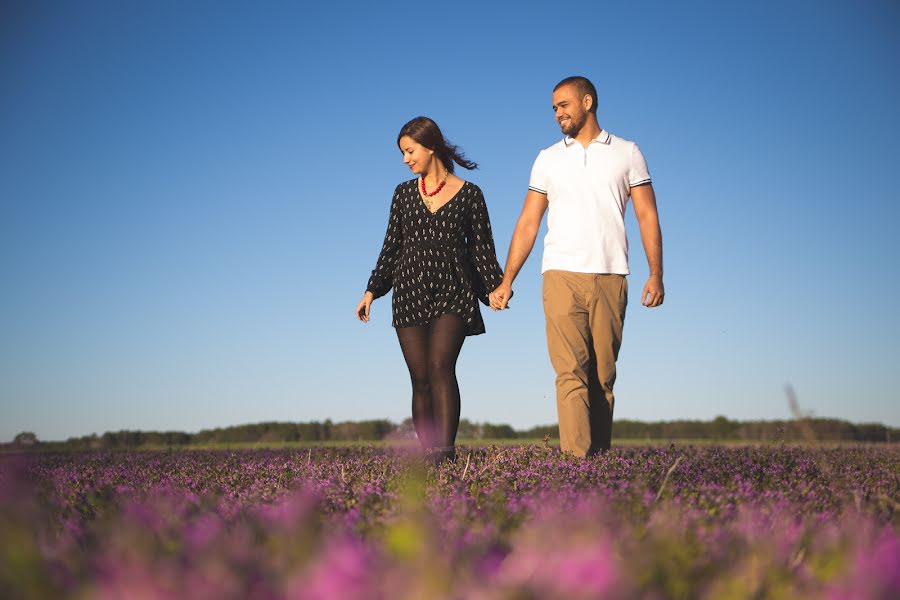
x: 638, y: 173
x: 482, y: 254
x: 382, y: 278
x: 538, y: 180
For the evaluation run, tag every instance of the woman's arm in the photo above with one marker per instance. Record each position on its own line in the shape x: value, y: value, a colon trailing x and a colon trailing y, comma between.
x: 482, y: 253
x: 382, y: 278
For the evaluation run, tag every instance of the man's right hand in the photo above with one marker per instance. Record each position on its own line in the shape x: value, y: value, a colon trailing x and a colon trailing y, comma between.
x: 499, y: 298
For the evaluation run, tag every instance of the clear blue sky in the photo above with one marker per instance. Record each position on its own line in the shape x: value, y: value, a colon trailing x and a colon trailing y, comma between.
x: 193, y: 195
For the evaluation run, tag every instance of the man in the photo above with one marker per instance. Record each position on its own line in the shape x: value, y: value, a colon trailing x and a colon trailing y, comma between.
x: 585, y: 180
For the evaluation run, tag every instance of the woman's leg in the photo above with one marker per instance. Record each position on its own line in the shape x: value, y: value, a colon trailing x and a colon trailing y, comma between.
x: 414, y: 344
x: 448, y: 332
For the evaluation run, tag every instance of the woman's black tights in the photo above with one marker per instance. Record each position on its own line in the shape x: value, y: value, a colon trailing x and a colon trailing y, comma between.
x: 431, y: 352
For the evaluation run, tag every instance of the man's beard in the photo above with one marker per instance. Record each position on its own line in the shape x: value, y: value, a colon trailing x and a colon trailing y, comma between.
x: 575, y: 125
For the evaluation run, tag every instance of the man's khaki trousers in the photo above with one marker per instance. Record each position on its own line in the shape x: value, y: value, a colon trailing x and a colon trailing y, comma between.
x: 585, y: 313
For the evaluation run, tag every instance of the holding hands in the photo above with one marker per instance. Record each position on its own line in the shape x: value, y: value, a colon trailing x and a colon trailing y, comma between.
x: 499, y: 298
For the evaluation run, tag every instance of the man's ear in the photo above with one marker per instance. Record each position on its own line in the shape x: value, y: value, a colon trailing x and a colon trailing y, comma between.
x: 587, y: 102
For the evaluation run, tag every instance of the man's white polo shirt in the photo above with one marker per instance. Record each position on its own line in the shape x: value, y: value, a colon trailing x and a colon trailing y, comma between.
x: 587, y: 190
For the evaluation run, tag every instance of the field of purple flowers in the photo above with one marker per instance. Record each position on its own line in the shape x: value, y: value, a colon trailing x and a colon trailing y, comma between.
x: 514, y: 522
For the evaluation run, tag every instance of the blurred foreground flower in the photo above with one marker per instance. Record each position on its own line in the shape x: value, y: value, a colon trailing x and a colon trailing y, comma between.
x: 505, y: 523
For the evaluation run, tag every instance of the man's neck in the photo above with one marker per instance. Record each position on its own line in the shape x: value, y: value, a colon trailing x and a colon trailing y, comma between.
x: 590, y: 131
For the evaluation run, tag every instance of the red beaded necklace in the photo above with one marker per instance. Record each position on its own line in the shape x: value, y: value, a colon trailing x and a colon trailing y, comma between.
x: 439, y: 187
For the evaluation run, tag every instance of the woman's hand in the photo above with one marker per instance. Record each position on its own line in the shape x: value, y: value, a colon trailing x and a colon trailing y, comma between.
x: 362, y: 311
x: 499, y: 298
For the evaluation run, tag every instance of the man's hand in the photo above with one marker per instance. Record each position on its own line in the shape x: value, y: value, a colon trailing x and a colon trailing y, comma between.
x: 644, y: 200
x: 500, y: 297
x: 654, y: 292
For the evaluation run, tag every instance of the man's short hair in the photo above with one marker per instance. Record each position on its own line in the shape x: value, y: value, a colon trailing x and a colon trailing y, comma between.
x: 583, y: 87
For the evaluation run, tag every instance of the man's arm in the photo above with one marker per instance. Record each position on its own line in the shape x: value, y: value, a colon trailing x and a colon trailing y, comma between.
x: 644, y: 201
x: 520, y: 247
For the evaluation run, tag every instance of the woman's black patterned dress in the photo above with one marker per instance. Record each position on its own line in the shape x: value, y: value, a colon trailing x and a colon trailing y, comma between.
x: 438, y: 263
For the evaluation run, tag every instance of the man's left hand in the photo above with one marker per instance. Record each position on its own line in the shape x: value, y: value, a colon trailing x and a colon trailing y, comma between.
x: 654, y: 292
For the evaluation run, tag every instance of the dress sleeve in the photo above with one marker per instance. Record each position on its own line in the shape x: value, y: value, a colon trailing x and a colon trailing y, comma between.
x: 480, y: 241
x: 382, y: 278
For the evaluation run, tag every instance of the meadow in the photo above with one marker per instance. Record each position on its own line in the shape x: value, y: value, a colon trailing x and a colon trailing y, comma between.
x: 501, y: 522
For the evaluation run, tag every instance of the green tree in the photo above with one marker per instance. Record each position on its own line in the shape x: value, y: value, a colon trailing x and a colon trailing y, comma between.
x: 25, y: 438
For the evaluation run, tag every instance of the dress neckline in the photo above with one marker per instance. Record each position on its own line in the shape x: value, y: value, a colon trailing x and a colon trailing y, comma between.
x: 441, y: 207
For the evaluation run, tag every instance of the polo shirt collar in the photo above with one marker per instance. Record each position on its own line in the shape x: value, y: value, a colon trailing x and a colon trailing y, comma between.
x: 603, y: 138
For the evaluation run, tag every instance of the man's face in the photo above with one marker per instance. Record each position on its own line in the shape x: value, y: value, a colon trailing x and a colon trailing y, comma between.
x: 569, y: 110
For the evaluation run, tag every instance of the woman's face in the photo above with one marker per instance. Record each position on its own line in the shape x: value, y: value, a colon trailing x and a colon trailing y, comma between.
x: 416, y: 156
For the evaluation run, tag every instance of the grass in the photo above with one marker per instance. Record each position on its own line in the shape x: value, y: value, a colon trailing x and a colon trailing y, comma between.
x: 478, y: 443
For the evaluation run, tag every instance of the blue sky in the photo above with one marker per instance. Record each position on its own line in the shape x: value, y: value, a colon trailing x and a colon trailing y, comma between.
x: 193, y: 195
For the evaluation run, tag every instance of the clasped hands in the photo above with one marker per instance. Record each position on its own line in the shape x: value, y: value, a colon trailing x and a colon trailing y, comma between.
x: 499, y: 298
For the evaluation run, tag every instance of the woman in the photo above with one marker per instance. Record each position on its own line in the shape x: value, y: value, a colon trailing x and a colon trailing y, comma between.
x: 439, y: 257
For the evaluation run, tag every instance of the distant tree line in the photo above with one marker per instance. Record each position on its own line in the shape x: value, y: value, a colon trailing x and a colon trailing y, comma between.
x: 719, y: 429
